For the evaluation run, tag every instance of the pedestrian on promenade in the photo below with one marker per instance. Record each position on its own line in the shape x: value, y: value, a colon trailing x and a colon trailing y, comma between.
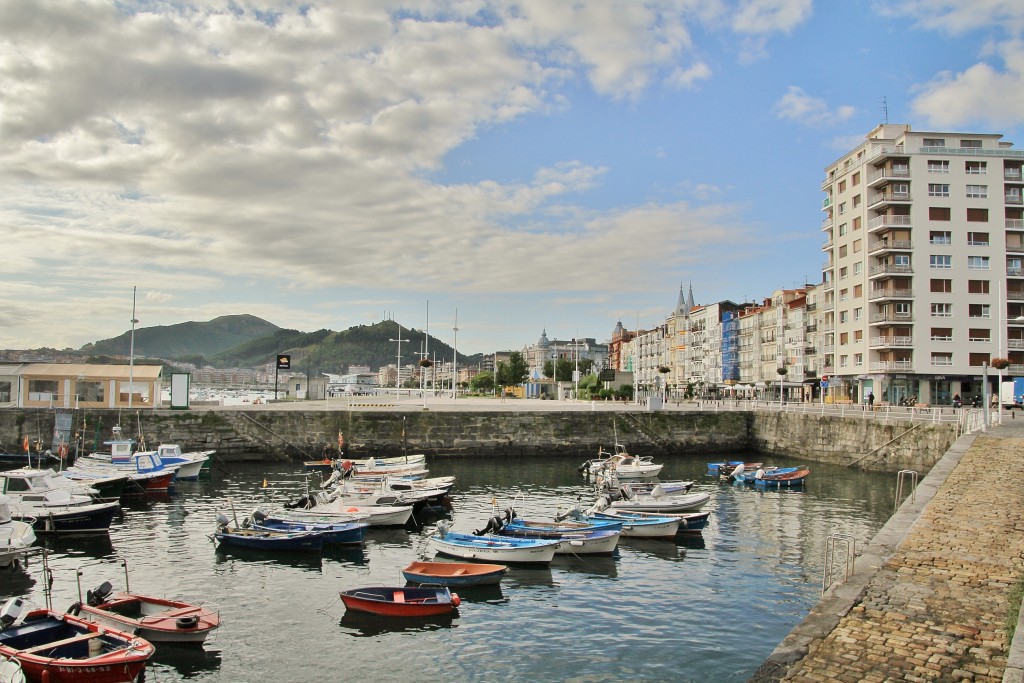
x: 871, y: 400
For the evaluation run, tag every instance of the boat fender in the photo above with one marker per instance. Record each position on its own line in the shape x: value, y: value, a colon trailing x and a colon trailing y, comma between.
x: 190, y: 621
x: 75, y: 608
x: 456, y: 600
x: 759, y: 474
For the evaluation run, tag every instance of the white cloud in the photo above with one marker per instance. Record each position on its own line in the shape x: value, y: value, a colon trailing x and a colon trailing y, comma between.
x: 760, y: 17
x: 798, y: 106
x: 981, y: 94
x: 957, y: 16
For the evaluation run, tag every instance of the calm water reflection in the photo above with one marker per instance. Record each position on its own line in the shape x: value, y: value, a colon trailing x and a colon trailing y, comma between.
x: 709, y: 607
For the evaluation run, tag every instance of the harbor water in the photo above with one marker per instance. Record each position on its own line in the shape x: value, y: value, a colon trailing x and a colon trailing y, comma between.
x: 704, y: 607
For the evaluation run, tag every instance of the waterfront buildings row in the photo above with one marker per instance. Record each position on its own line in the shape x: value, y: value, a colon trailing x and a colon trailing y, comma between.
x: 922, y: 287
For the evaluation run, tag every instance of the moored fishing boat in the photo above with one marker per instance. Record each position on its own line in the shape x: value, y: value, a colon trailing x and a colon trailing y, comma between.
x: 256, y: 539
x: 776, y: 479
x: 406, y: 601
x: 625, y: 465
x: 158, y: 620
x: 493, y: 548
x: 334, y: 533
x: 454, y: 573
x: 62, y: 648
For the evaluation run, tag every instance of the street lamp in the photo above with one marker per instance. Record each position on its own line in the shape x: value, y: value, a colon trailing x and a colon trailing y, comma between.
x: 398, y: 376
x: 576, y: 346
x: 455, y: 354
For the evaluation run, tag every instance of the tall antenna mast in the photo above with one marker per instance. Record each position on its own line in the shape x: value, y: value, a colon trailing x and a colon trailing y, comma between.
x: 885, y: 109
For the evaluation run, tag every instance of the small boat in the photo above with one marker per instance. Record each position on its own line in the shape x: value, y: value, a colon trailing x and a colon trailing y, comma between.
x: 493, y: 548
x: 190, y: 463
x: 454, y: 573
x: 334, y: 533
x: 656, y: 501
x: 258, y: 539
x: 782, y: 479
x: 158, y: 620
x: 574, y: 538
x: 746, y: 476
x: 406, y: 601
x: 641, y: 525
x: 670, y: 488
x: 625, y: 465
x: 340, y: 509
x: 16, y: 536
x: 63, y: 648
x: 54, y: 510
x: 717, y: 468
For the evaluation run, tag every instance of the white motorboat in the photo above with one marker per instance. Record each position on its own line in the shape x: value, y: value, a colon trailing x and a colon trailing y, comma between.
x: 657, y: 501
x: 340, y: 508
x: 623, y: 464
x: 16, y: 536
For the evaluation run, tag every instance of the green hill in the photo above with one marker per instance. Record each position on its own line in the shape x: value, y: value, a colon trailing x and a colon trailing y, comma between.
x: 186, y: 340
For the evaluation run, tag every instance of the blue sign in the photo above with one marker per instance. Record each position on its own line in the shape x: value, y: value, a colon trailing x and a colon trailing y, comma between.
x: 824, y: 384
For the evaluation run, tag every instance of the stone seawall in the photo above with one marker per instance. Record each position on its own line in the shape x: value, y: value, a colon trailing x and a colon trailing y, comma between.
x: 266, y: 433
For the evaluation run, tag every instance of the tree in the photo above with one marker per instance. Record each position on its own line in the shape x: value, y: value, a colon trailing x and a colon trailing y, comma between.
x: 514, y: 372
x: 482, y: 382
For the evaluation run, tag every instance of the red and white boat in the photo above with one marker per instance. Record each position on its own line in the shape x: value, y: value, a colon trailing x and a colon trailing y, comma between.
x: 406, y: 601
x: 158, y: 620
x: 62, y: 648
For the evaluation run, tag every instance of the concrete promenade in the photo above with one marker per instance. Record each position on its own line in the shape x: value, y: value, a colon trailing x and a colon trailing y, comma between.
x: 928, y: 599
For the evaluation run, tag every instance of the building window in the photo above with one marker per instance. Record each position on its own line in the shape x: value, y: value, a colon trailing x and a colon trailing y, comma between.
x: 976, y: 167
x: 858, y: 335
x: 842, y: 229
x: 977, y: 191
x: 858, y: 291
x: 901, y: 259
x: 855, y: 181
x: 938, y: 213
x: 977, y: 262
x: 942, y: 358
x: 970, y: 144
x: 942, y: 286
x: 1013, y: 266
x: 842, y: 273
x: 978, y: 359
x: 42, y: 389
x: 977, y: 215
x: 93, y: 392
x: 979, y: 311
x: 842, y: 251
x: 858, y: 359
x: 938, y: 166
x: 942, y: 334
x: 940, y: 237
x: 856, y: 223
x: 940, y: 261
x: 934, y: 142
x: 842, y: 208
x: 856, y: 246
x: 857, y: 267
x: 858, y: 313
x: 856, y: 200
x: 844, y: 338
x: 979, y: 335
x: 902, y: 310
x: 844, y: 361
x: 844, y: 294
x: 942, y: 310
x: 977, y: 239
x: 938, y: 190
x: 842, y: 186
x: 1013, y: 195
x: 978, y: 286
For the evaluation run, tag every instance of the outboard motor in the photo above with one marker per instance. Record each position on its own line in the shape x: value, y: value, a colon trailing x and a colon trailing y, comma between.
x: 99, y: 595
x: 12, y: 613
x: 494, y: 526
x: 222, y: 521
x: 259, y: 515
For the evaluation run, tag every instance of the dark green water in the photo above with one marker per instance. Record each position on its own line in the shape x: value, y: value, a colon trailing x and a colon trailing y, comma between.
x: 703, y: 608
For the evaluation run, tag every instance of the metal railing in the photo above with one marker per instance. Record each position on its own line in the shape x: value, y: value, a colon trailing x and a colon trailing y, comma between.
x: 831, y: 544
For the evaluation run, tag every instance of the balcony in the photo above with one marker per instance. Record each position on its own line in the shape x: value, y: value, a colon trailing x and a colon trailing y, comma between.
x: 827, y: 245
x: 828, y: 286
x: 876, y: 294
x: 827, y: 223
x: 826, y: 327
x: 1015, y: 296
x: 890, y: 245
x: 828, y: 306
x: 1012, y: 271
x: 1014, y: 247
x: 891, y: 342
x: 883, y: 175
x: 890, y: 269
x: 1015, y: 344
x: 1013, y: 198
x: 891, y: 317
x: 825, y: 203
x: 892, y: 366
x: 1014, y: 224
x: 1012, y: 175
x: 1015, y: 369
x: 888, y: 221
x: 883, y: 198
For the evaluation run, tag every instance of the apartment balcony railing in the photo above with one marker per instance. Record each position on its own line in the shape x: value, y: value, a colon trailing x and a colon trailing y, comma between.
x: 884, y: 174
x: 888, y: 198
x: 891, y: 317
x: 892, y: 366
x: 890, y: 269
x: 1015, y: 247
x: 890, y: 245
x: 828, y: 306
x: 828, y: 286
x: 1014, y: 224
x: 826, y: 327
x: 828, y: 348
x: 827, y: 223
x: 828, y: 244
x: 1012, y: 174
x: 1015, y: 344
x: 903, y: 342
x: 876, y: 294
x: 1013, y: 271
x: 1015, y: 296
x: 883, y: 222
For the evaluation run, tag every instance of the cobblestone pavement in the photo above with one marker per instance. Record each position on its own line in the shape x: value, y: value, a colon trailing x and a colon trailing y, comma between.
x: 936, y: 609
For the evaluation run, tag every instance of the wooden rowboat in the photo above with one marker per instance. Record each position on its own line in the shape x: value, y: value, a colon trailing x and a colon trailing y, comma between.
x: 407, y: 601
x: 454, y: 573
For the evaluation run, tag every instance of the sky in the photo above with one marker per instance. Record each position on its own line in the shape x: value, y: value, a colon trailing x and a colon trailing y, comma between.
x: 500, y: 167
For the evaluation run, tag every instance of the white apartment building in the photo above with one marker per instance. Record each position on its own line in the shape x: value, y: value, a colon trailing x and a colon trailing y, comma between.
x: 922, y: 279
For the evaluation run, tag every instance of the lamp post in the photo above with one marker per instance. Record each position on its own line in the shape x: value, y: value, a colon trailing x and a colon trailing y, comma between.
x: 398, y: 375
x: 455, y: 355
x: 131, y: 355
x: 576, y: 346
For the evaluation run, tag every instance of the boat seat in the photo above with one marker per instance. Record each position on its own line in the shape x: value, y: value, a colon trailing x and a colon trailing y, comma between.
x: 457, y: 572
x: 58, y: 643
x: 399, y: 596
x: 179, y: 611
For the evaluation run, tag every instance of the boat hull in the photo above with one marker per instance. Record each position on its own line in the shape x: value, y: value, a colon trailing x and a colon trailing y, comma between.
x: 454, y: 574
x: 401, y: 601
x: 157, y: 621
x: 264, y: 540
x: 84, y: 519
x: 495, y: 549
x: 688, y: 503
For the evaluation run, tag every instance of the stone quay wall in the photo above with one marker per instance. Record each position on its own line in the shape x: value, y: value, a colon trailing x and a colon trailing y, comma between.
x: 269, y: 434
